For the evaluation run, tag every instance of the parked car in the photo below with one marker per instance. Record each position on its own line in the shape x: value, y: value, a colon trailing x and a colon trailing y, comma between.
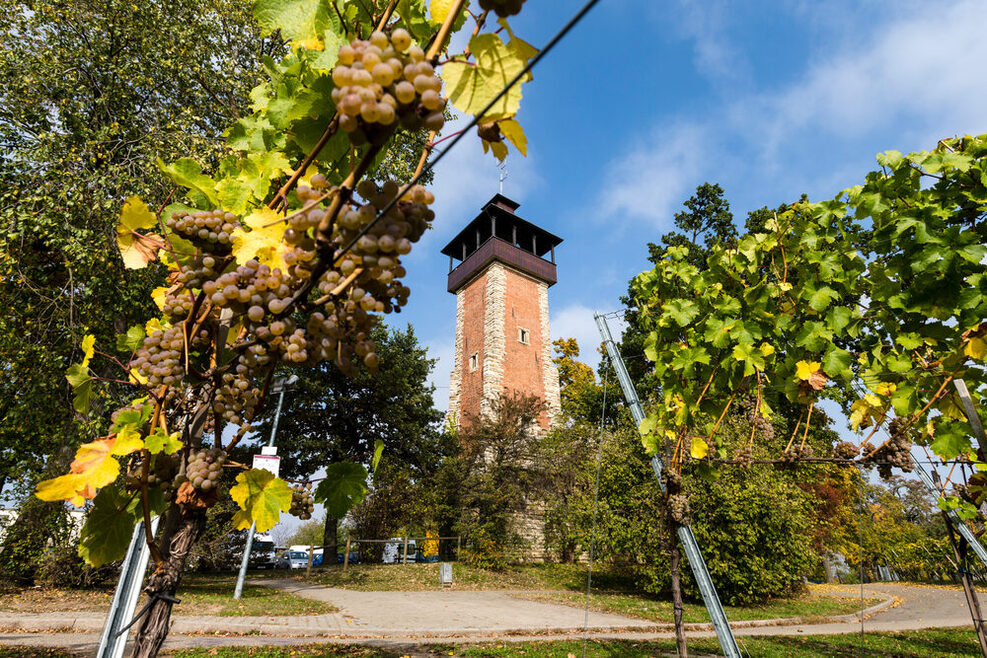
x: 262, y: 553
x: 394, y: 551
x: 354, y: 557
x: 292, y: 560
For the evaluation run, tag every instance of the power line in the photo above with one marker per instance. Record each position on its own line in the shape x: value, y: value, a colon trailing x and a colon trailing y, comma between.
x: 473, y: 122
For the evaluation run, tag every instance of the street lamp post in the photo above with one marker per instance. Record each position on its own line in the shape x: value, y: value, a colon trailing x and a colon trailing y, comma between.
x: 279, y: 387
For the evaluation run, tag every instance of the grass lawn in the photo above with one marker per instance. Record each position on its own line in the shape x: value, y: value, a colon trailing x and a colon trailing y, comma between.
x: 945, y: 643
x: 418, y: 577
x: 200, y: 596
x: 810, y: 607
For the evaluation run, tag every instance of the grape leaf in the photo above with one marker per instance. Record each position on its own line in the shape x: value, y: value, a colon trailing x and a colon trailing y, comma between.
x: 133, y: 418
x: 137, y: 249
x: 378, y: 451
x: 262, y: 497
x: 413, y: 19
x: 262, y: 241
x: 94, y: 466
x: 300, y: 21
x: 161, y: 442
x: 131, y: 340
x: 515, y: 135
x: 472, y: 88
x: 439, y: 10
x: 108, y: 529
x: 82, y: 387
x: 188, y: 173
x: 699, y: 448
x: 345, y: 486
x: 976, y: 348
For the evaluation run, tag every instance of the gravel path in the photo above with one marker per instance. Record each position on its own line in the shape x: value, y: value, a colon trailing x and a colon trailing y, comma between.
x: 408, y: 618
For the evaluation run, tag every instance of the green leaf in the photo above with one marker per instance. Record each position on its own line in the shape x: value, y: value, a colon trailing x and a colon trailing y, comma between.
x: 951, y: 441
x: 131, y: 340
x: 299, y: 21
x: 681, y: 310
x: 650, y: 346
x: 345, y: 486
x: 133, y: 418
x: 820, y: 298
x: 161, y: 442
x: 836, y: 363
x: 82, y: 384
x: 647, y: 429
x: 188, y: 173
x: 378, y: 451
x: 414, y: 19
x: 261, y: 497
x: 234, y: 195
x: 106, y: 534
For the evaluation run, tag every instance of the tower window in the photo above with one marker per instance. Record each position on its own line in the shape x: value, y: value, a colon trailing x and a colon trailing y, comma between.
x: 474, y: 361
x: 523, y: 336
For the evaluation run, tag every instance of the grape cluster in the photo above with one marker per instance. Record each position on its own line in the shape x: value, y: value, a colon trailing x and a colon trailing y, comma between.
x: 678, y: 509
x: 209, y: 230
x: 745, y: 455
x: 793, y: 454
x: 382, y: 81
x: 302, y: 502
x: 502, y: 7
x: 205, y: 468
x: 159, y: 358
x: 747, y: 405
x: 896, y: 451
x: 846, y: 450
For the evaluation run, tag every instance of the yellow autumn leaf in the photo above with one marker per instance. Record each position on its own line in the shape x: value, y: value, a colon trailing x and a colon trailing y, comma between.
x: 699, y: 448
x: 804, y: 369
x: 515, y: 135
x: 88, y: 348
x: 158, y: 295
x: 64, y: 487
x: 976, y: 348
x: 155, y: 324
x: 439, y: 9
x: 767, y: 349
x: 263, y: 240
x: 137, y: 249
x: 137, y: 378
x: 885, y: 388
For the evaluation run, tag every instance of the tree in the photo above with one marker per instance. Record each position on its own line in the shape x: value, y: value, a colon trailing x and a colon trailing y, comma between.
x: 704, y: 223
x: 92, y: 92
x: 494, y: 477
x: 285, y: 253
x: 329, y: 417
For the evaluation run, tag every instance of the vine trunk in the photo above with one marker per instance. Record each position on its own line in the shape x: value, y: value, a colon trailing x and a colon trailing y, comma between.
x: 183, y: 525
x: 674, y: 560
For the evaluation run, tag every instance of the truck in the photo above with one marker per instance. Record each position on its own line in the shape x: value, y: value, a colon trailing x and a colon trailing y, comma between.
x: 263, y: 553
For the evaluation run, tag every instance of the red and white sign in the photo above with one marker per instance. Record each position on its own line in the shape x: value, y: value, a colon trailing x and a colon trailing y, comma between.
x: 270, y: 463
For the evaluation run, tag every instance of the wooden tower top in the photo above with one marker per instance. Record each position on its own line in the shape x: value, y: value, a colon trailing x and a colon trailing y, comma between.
x: 498, y: 234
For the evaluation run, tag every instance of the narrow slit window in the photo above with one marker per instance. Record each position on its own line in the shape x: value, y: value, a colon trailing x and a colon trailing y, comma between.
x: 523, y: 336
x: 474, y: 361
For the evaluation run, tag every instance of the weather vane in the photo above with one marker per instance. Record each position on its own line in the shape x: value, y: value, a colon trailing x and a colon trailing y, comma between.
x: 503, y: 174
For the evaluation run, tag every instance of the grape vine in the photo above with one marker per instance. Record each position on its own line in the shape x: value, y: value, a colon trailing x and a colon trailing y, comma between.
x: 270, y: 266
x: 875, y: 299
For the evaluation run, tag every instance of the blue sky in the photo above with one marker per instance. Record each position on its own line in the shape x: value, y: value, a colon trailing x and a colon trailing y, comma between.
x: 645, y: 100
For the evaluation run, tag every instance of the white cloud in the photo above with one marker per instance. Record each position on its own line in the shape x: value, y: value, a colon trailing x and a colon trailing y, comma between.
x: 649, y: 180
x: 906, y: 84
x: 705, y: 24
x: 920, y: 70
x: 577, y: 321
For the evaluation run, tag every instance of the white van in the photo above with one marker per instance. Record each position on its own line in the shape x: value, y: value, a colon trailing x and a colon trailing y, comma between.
x: 394, y: 551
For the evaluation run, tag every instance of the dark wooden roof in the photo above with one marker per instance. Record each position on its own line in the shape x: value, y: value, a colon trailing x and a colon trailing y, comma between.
x: 496, y: 233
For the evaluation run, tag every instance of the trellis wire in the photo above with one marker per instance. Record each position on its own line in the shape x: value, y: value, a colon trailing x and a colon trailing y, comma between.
x: 473, y: 122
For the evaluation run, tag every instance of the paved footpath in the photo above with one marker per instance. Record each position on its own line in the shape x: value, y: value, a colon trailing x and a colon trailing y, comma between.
x: 408, y: 618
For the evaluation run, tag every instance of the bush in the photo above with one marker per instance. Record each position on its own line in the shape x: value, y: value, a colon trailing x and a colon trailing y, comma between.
x: 62, y: 567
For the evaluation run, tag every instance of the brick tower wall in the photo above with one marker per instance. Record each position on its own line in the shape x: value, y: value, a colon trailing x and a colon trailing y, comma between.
x: 491, y: 312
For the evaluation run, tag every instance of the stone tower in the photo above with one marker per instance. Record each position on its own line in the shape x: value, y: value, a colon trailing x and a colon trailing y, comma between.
x: 501, y: 285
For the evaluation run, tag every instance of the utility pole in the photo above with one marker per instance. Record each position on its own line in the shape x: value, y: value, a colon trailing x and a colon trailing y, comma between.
x: 279, y: 387
x: 688, y: 540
